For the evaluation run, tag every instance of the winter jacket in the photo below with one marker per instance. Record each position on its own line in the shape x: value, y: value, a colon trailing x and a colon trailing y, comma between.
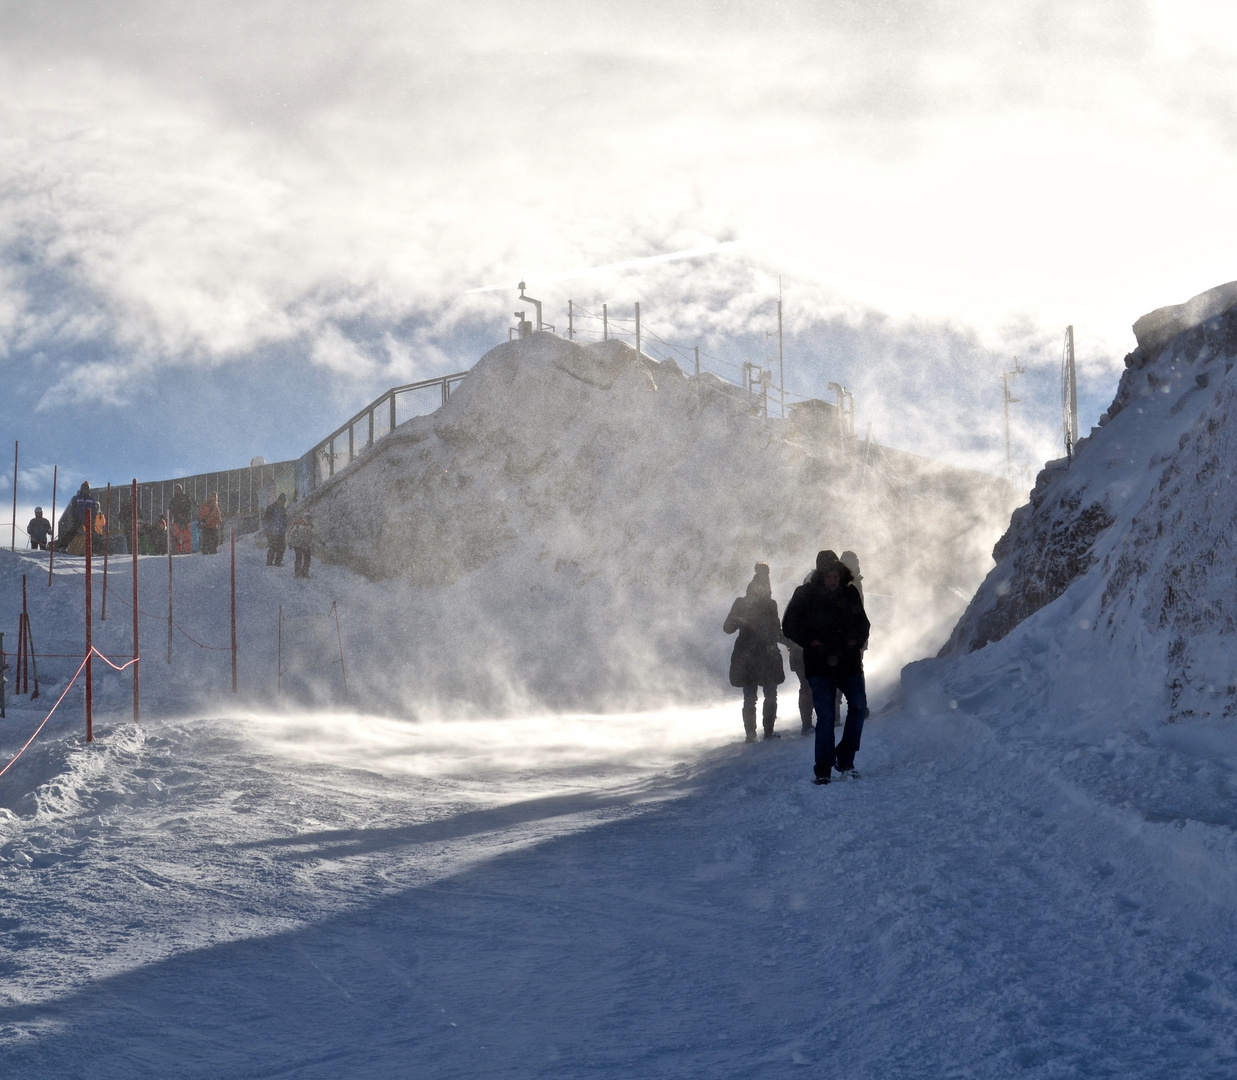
x: 835, y: 620
x: 38, y: 530
x: 181, y: 507
x: 78, y: 507
x: 275, y: 521
x: 301, y: 535
x: 210, y: 516
x: 756, y: 660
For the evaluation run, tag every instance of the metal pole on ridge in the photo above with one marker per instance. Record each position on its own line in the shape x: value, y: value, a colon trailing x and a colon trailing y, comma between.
x: 34, y: 660
x: 21, y: 648
x: 136, y: 651
x: 25, y: 631
x: 51, y: 555
x: 89, y: 621
x: 13, y: 536
x: 278, y: 654
x: 234, y: 609
x: 342, y: 669
x: 107, y: 528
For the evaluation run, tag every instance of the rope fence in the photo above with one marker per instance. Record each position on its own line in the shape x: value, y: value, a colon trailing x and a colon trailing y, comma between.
x: 80, y: 668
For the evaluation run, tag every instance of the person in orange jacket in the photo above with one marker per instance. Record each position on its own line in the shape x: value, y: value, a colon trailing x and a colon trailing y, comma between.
x: 210, y: 524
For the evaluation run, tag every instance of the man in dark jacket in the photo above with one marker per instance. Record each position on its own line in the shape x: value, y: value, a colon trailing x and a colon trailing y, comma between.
x: 39, y: 529
x: 756, y: 661
x: 826, y: 618
x: 275, y: 525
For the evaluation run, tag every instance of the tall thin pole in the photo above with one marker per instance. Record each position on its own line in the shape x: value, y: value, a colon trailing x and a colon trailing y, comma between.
x: 234, y: 609
x: 51, y: 554
x: 637, y: 327
x: 571, y: 335
x: 25, y: 649
x: 107, y: 528
x: 169, y: 588
x: 605, y: 322
x: 136, y: 651
x: 89, y: 629
x: 781, y: 365
x: 13, y: 536
x: 278, y: 654
x: 697, y: 359
x: 339, y: 638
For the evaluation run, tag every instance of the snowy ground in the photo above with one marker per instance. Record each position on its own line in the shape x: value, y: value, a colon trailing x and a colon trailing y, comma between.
x: 256, y: 892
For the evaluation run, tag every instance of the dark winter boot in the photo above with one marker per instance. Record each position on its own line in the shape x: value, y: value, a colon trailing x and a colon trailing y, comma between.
x: 749, y: 721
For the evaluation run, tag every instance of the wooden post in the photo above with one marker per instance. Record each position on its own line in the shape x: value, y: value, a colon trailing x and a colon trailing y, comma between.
x: 89, y: 629
x: 107, y: 528
x: 136, y: 650
x: 169, y: 588
x: 13, y: 536
x: 234, y: 609
x: 51, y: 553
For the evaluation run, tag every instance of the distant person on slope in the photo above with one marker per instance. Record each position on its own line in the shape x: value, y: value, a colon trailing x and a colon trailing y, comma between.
x: 826, y: 618
x: 181, y: 508
x: 302, y: 538
x: 73, y: 520
x: 39, y: 530
x: 756, y: 661
x: 275, y: 525
x: 210, y: 524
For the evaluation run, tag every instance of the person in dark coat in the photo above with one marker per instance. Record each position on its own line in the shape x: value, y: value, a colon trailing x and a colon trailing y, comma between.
x: 275, y: 525
x: 756, y: 660
x: 39, y: 530
x: 181, y: 508
x: 796, y: 665
x: 302, y: 538
x: 826, y: 618
x: 73, y: 520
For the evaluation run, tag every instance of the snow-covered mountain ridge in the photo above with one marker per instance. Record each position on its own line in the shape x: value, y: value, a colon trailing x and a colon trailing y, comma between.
x: 1136, y: 535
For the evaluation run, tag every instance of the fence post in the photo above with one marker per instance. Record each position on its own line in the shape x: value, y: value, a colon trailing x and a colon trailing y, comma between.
x: 89, y: 629
x: 169, y: 588
x: 136, y: 651
x: 51, y: 554
x: 637, y: 329
x: 605, y: 322
x: 25, y: 649
x: 697, y: 361
x: 107, y: 529
x: 234, y: 609
x: 13, y: 534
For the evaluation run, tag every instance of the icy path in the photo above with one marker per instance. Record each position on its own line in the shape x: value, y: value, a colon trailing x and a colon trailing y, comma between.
x: 218, y: 899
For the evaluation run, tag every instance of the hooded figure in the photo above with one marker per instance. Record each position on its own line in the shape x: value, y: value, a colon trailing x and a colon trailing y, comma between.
x: 826, y: 618
x: 756, y: 660
x: 181, y: 509
x: 210, y: 524
x: 301, y: 537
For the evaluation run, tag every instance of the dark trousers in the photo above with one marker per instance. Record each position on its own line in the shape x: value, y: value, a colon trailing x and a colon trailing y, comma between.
x: 301, y: 568
x: 769, y: 713
x: 275, y: 547
x: 823, y: 690
x: 208, y: 540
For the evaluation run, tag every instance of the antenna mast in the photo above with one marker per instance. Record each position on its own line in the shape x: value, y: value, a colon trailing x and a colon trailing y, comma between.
x: 1069, y: 395
x: 1010, y: 400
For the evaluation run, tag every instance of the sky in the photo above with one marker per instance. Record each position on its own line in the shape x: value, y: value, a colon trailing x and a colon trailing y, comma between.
x: 225, y: 228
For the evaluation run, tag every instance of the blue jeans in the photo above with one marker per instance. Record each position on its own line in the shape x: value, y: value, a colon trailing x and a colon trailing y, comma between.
x: 824, y: 690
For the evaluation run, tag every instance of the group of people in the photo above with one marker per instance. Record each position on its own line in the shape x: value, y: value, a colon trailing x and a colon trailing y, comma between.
x: 279, y: 534
x: 83, y: 513
x: 825, y: 629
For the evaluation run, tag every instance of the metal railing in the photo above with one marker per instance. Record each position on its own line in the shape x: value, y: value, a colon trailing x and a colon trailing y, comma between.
x: 370, y: 426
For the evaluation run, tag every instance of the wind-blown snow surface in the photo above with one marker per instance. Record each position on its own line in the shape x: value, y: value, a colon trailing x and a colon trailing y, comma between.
x: 248, y: 892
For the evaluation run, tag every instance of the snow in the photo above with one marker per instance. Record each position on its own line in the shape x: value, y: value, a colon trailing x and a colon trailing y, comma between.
x: 1033, y: 877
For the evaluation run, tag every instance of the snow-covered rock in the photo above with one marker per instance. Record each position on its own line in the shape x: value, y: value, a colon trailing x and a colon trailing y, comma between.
x: 1136, y: 537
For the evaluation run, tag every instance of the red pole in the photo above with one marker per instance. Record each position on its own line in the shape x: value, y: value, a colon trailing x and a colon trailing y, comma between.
x: 21, y: 643
x: 169, y: 589
x: 136, y: 652
x: 234, y: 609
x: 51, y: 555
x: 107, y: 528
x: 31, y: 653
x: 89, y: 642
x: 13, y: 537
x: 25, y: 618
